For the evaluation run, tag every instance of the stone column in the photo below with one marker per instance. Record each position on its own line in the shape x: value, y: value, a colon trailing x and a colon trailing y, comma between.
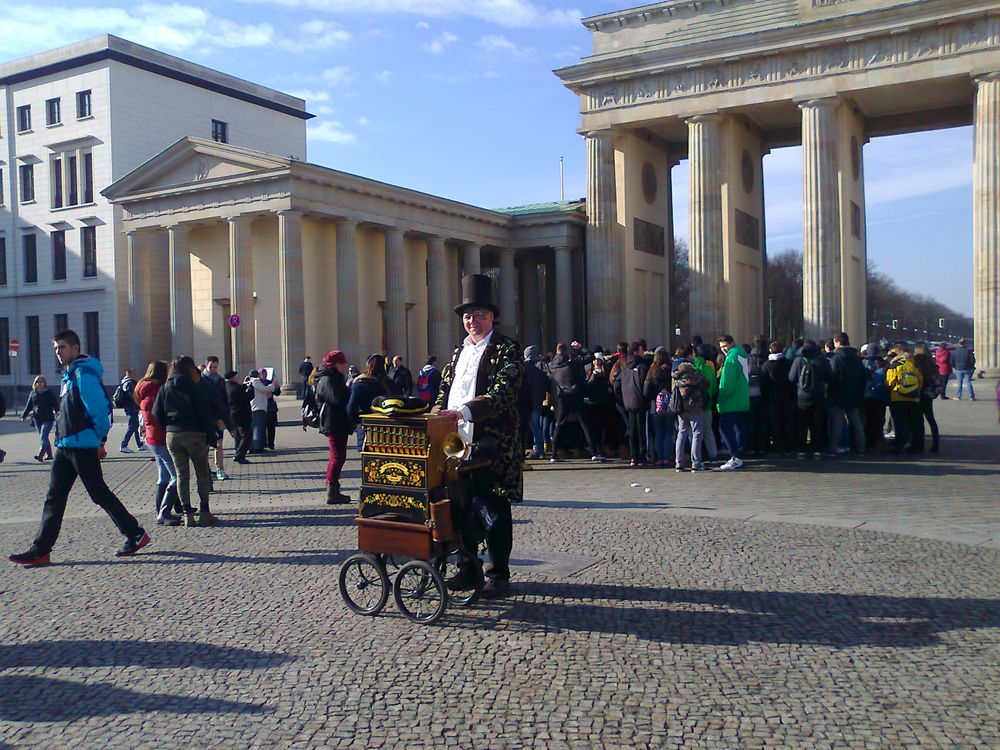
x: 821, y: 277
x: 348, y: 320
x: 986, y: 223
x: 395, y: 294
x: 530, y: 304
x: 181, y: 309
x: 241, y: 293
x: 137, y: 299
x: 604, y: 254
x: 564, y: 295
x: 291, y: 295
x: 508, y: 291
x: 439, y: 317
x: 472, y: 259
x: 707, y: 260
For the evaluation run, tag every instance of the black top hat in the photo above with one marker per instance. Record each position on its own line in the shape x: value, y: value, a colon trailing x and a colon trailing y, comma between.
x: 477, y: 291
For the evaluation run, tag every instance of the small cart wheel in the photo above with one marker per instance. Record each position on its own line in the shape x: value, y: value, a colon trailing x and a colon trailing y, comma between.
x: 449, y: 565
x: 420, y: 592
x: 364, y: 584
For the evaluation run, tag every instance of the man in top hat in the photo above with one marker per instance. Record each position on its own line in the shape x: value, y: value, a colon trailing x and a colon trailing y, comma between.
x: 481, y: 387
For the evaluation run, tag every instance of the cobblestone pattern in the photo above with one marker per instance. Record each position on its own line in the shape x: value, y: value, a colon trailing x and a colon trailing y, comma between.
x: 633, y: 622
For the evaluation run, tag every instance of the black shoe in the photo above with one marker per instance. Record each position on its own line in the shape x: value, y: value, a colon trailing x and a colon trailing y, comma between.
x: 3, y: 455
x: 495, y: 588
x: 30, y: 559
x: 133, y: 545
x: 464, y: 580
x: 241, y: 461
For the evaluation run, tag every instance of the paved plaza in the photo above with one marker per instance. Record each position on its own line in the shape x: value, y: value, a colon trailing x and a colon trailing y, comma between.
x: 832, y: 604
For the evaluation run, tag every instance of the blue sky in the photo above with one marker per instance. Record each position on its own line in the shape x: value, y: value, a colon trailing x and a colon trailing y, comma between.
x: 457, y: 98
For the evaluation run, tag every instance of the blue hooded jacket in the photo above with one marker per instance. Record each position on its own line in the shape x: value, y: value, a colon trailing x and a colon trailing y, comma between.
x: 83, y: 420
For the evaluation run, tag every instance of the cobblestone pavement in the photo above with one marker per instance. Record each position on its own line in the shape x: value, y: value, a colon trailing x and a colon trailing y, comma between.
x: 721, y: 611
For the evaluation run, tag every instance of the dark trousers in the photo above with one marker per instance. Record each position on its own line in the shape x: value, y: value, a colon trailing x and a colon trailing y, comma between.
x: 733, y: 426
x: 909, y: 424
x: 243, y: 435
x: 338, y: 454
x: 636, y: 434
x: 272, y: 427
x: 757, y: 437
x: 499, y: 538
x: 874, y: 422
x: 70, y: 463
x: 927, y: 409
x: 811, y: 427
x: 133, y: 429
x: 781, y: 421
x: 565, y: 409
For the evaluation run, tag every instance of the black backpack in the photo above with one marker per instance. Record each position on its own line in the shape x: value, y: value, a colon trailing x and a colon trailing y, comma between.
x: 807, y: 376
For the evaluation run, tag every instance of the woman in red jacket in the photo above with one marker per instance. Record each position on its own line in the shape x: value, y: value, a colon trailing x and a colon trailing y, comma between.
x: 942, y: 358
x: 156, y: 439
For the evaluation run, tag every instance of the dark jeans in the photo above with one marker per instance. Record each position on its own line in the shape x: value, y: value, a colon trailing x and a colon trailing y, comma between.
x: 636, y: 434
x: 70, y: 463
x: 242, y: 440
x: 338, y: 454
x: 193, y: 447
x: 781, y: 420
x: 811, y: 427
x: 133, y: 429
x: 259, y: 421
x: 663, y: 436
x: 874, y: 422
x: 568, y: 406
x: 733, y: 426
x: 757, y: 437
x: 499, y: 538
x: 927, y: 409
x: 272, y: 427
x: 909, y: 423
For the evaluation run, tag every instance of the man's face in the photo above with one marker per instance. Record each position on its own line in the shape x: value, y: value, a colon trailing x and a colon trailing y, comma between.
x: 65, y: 352
x: 724, y: 346
x: 478, y: 323
x: 397, y: 361
x: 213, y: 367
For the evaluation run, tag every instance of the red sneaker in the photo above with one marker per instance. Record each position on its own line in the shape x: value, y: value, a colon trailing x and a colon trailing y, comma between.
x: 133, y: 545
x: 30, y: 559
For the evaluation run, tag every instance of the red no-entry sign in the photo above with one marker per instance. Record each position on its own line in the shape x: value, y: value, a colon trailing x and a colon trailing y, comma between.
x: 14, y: 345
x: 234, y: 321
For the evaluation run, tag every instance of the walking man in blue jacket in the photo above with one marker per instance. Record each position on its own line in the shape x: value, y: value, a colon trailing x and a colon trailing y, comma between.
x: 81, y: 430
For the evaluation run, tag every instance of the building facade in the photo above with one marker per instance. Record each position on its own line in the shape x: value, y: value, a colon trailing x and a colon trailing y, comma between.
x: 72, y: 121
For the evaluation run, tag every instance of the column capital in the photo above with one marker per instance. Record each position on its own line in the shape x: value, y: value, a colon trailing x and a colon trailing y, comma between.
x: 347, y: 222
x: 598, y: 134
x: 290, y: 213
x: 708, y: 117
x: 238, y: 219
x: 987, y: 77
x: 820, y: 101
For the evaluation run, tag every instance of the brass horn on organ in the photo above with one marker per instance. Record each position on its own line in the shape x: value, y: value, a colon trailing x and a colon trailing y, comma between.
x: 469, y: 456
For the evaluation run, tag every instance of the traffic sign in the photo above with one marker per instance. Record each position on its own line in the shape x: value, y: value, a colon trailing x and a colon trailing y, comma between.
x: 234, y: 321
x: 14, y: 345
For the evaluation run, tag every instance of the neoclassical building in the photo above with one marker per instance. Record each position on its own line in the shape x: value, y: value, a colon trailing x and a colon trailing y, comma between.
x: 720, y: 82
x: 311, y: 259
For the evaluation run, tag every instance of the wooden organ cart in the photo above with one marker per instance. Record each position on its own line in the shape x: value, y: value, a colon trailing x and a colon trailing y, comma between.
x: 405, y: 528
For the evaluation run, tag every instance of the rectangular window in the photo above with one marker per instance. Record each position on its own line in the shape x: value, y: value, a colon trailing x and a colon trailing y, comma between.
x: 24, y: 118
x: 34, y: 345
x: 59, y: 256
x: 220, y: 131
x: 88, y: 178
x: 83, y: 103
x: 28, y: 241
x: 27, y: 172
x: 1, y: 187
x: 61, y: 321
x: 3, y: 261
x: 92, y: 334
x: 4, y: 346
x: 88, y: 243
x: 73, y: 197
x: 57, y: 183
x: 53, y: 115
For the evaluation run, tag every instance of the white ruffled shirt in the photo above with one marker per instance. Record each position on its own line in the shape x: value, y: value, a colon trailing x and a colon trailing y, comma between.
x: 463, y: 384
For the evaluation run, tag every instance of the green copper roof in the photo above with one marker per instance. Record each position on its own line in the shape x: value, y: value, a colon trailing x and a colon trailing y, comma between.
x: 543, y: 208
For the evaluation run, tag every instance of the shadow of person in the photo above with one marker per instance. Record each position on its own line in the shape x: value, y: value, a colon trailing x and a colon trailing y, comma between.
x: 31, y: 698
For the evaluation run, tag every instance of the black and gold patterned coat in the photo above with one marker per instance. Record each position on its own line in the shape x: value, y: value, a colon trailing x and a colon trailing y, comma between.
x: 494, y: 412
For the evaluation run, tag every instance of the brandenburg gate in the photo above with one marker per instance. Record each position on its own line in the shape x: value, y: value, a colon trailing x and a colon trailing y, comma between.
x: 720, y: 82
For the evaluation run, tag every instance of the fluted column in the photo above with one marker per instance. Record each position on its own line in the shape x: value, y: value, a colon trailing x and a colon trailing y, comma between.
x: 604, y: 255
x: 439, y: 317
x: 564, y: 295
x: 472, y: 259
x: 241, y: 293
x: 986, y: 223
x: 508, y: 291
x: 395, y: 294
x: 708, y: 302
x: 181, y: 309
x: 530, y: 329
x: 348, y: 320
x: 821, y: 278
x: 291, y: 294
x: 137, y: 303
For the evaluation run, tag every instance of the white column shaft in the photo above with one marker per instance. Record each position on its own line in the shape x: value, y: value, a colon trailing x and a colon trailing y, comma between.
x: 707, y: 261
x: 564, y: 294
x: 291, y: 294
x: 137, y: 303
x: 241, y: 293
x: 395, y: 293
x: 530, y: 306
x: 348, y: 320
x: 508, y: 291
x: 986, y: 223
x: 439, y: 316
x: 604, y: 257
x: 181, y: 309
x: 472, y: 259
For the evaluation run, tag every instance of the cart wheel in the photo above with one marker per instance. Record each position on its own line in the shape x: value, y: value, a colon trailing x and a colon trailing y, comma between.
x: 419, y: 592
x: 364, y: 584
x: 449, y: 565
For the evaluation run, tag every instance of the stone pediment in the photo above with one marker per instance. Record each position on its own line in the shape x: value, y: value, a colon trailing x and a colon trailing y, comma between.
x: 192, y: 161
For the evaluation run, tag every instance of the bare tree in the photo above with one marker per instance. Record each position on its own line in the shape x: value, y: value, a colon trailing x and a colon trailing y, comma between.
x: 784, y: 295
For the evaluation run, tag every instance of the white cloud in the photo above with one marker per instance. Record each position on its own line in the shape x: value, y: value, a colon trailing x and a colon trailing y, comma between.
x: 438, y: 45
x: 498, y: 44
x: 317, y: 35
x: 340, y: 75
x: 331, y: 131
x: 383, y: 76
x: 492, y: 74
x: 362, y: 121
x: 510, y: 13
x: 423, y: 25
x: 323, y: 109
x: 311, y: 97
